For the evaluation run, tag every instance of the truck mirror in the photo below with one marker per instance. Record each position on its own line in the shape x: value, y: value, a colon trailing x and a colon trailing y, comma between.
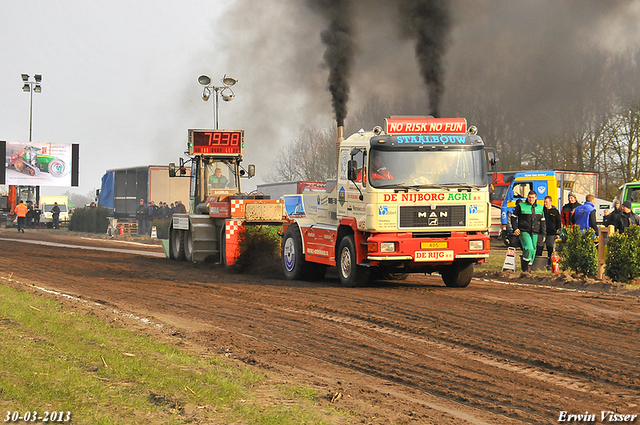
x: 172, y: 169
x: 491, y: 159
x: 352, y: 170
x: 252, y: 170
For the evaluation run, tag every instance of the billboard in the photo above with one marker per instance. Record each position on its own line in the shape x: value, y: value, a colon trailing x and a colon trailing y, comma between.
x: 39, y: 164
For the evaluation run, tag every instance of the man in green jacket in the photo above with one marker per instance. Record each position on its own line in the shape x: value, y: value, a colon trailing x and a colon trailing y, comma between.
x: 528, y: 220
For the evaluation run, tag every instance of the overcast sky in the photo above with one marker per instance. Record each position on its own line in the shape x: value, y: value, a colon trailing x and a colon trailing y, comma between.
x: 115, y: 75
x: 120, y: 77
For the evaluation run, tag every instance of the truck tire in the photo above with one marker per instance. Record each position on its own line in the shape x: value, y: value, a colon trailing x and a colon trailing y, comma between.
x: 188, y: 244
x: 457, y: 275
x: 176, y: 244
x: 294, y: 265
x: 351, y: 274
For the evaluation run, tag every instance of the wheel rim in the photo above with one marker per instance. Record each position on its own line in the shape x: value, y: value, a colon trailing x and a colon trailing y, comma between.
x: 345, y: 262
x: 289, y: 254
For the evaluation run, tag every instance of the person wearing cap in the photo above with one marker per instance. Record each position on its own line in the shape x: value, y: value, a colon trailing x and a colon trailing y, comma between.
x: 567, y: 209
x: 626, y: 218
x: 585, y: 215
x: 141, y: 217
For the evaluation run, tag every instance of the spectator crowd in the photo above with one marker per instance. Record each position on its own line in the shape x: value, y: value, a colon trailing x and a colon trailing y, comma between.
x: 147, y: 213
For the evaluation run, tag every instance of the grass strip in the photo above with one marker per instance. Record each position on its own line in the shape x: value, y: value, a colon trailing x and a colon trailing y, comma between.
x: 54, y: 359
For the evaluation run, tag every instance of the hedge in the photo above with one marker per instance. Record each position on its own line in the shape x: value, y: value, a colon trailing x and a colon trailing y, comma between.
x: 622, y: 262
x: 578, y: 251
x: 89, y: 219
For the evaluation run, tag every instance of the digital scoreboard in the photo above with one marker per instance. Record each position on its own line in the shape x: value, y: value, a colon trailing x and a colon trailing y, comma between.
x: 216, y: 142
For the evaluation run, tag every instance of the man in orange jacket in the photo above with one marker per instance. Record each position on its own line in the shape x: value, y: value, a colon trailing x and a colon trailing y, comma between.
x: 21, y: 211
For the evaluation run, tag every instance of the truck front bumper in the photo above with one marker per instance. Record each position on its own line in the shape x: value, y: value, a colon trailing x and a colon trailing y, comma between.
x: 423, y: 248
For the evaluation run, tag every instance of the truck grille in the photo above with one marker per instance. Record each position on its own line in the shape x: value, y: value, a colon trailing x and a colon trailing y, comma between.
x: 425, y: 216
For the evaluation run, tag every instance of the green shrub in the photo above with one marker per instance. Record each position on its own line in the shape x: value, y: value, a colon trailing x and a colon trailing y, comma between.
x: 623, y: 255
x: 578, y: 251
x: 260, y: 251
x: 89, y: 219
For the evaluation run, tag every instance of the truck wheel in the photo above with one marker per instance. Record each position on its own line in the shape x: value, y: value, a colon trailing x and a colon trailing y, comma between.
x: 351, y: 274
x: 188, y: 244
x: 294, y: 266
x: 176, y: 244
x: 457, y: 275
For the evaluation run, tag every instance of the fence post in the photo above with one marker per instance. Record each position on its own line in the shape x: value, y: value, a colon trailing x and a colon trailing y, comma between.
x: 603, y: 237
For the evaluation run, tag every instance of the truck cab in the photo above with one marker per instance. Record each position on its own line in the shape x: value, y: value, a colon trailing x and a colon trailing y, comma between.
x: 631, y: 192
x: 413, y: 198
x: 219, y: 211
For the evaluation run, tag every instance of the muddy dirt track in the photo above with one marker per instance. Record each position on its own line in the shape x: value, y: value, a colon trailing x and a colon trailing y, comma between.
x: 412, y: 351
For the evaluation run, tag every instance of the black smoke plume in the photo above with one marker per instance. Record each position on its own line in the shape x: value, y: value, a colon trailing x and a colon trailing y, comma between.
x: 340, y: 48
x: 428, y: 22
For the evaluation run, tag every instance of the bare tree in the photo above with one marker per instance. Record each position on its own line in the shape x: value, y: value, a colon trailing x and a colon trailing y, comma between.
x: 310, y: 156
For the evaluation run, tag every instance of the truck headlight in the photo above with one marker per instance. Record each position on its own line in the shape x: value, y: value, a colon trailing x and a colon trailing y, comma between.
x: 388, y: 247
x: 476, y: 245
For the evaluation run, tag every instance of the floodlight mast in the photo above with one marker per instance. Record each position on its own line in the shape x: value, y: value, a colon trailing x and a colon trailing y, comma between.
x: 31, y: 87
x: 226, y: 91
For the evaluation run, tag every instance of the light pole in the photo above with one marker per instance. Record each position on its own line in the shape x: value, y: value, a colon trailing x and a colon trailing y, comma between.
x: 31, y: 86
x: 226, y: 91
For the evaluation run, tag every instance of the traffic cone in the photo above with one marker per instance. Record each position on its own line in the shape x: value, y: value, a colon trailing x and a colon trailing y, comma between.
x: 555, y: 266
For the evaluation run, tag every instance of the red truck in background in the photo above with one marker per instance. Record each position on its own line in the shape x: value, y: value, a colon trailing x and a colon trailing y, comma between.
x: 499, y: 186
x: 497, y: 192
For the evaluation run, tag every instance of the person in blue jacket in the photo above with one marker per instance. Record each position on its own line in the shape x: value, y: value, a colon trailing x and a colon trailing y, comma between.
x: 585, y: 215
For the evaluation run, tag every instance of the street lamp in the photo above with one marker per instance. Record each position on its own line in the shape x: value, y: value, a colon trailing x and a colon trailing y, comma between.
x: 225, y: 90
x: 31, y: 87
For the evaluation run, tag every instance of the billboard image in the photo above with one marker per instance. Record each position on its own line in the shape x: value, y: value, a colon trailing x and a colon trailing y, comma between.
x: 40, y: 164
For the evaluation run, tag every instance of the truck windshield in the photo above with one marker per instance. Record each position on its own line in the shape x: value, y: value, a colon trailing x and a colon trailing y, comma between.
x: 633, y: 194
x: 453, y: 167
x: 218, y: 176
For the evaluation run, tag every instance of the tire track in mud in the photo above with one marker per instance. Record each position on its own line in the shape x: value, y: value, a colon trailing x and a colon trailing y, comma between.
x: 519, y: 352
x: 408, y: 374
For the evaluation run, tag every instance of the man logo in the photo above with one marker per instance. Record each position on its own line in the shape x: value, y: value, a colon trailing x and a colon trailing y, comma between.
x: 423, y: 214
x: 433, y: 222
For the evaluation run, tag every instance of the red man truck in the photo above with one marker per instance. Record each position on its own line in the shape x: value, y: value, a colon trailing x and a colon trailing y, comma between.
x: 413, y: 198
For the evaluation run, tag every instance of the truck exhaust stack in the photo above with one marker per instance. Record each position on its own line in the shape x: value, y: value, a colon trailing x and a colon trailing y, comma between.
x: 339, y: 139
